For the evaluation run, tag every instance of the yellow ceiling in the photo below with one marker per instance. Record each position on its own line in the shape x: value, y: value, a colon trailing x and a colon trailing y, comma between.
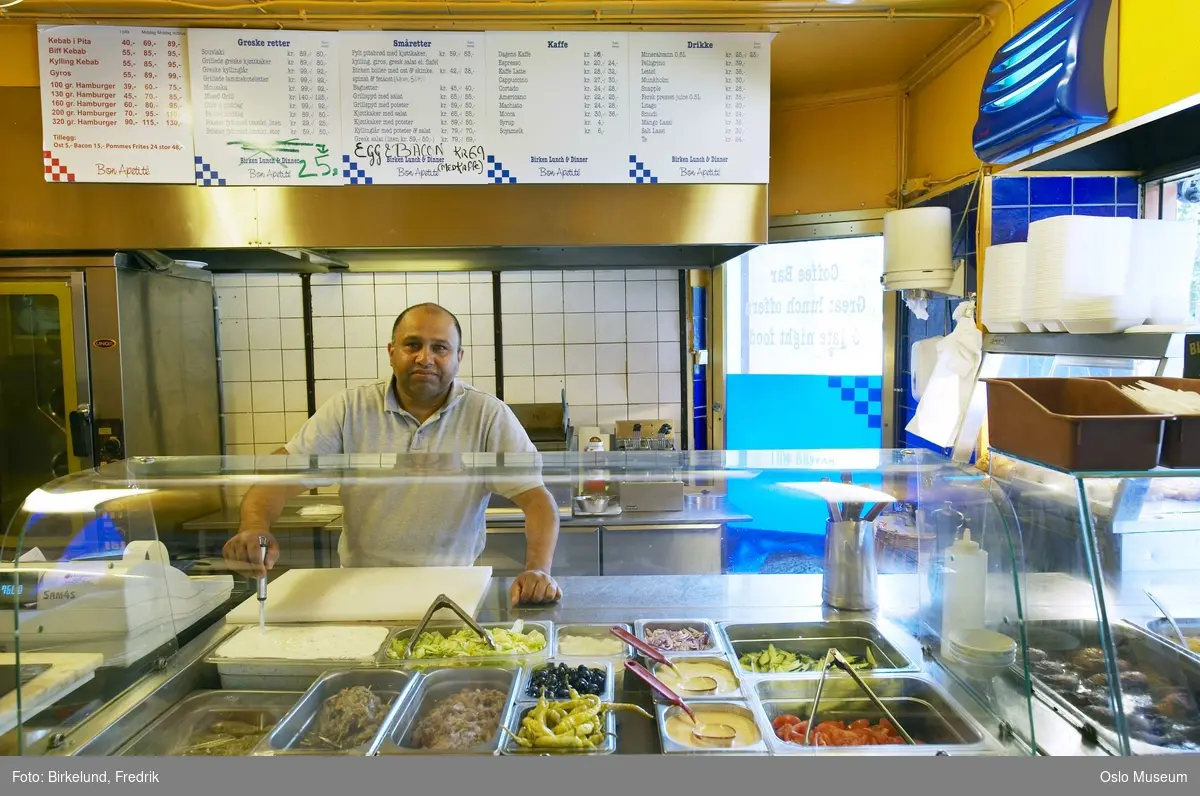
x: 812, y: 54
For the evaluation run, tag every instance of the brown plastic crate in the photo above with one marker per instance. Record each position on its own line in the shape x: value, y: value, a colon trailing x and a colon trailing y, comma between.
x: 1073, y: 424
x: 1181, y: 436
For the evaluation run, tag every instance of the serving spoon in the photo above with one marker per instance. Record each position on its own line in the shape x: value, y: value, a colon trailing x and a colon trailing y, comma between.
x: 701, y: 684
x: 718, y: 734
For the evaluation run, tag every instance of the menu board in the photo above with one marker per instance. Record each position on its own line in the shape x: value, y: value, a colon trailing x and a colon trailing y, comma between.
x: 114, y: 104
x: 703, y: 104
x: 267, y: 107
x: 255, y: 107
x: 557, y: 107
x: 412, y: 108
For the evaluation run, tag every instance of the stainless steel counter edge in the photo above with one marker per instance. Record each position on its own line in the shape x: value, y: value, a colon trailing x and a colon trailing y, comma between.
x: 497, y: 520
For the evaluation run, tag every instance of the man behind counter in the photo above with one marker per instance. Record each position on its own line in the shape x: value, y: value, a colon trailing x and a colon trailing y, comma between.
x: 423, y: 410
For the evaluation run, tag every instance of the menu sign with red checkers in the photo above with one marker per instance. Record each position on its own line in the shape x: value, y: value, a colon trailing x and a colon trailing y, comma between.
x: 115, y: 104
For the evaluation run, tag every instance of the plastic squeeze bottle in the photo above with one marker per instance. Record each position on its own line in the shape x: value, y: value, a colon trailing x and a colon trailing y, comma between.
x: 964, y: 590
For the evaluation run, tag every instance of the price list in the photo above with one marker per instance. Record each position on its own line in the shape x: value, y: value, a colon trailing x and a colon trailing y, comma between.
x: 703, y: 106
x: 558, y: 107
x: 413, y: 108
x: 114, y: 104
x: 267, y: 107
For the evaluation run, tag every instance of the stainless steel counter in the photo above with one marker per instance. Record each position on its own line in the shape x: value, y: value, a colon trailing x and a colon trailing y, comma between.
x: 751, y: 598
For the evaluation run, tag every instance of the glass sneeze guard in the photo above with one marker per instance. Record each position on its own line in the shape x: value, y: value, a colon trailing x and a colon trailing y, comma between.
x: 106, y: 571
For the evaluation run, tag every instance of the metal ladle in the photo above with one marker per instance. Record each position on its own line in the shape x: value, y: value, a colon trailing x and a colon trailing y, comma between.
x: 1174, y: 625
x: 702, y: 684
x: 717, y: 734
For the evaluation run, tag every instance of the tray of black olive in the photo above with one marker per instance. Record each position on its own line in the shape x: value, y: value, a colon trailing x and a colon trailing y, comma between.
x: 1160, y: 684
x: 558, y: 678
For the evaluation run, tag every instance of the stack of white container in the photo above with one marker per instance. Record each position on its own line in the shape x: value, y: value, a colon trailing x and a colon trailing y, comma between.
x: 1091, y: 275
x: 1003, y: 291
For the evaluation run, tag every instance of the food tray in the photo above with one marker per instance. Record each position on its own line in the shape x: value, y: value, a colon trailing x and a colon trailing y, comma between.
x: 671, y: 746
x: 926, y: 712
x: 171, y: 732
x: 595, y: 631
x: 1072, y: 424
x: 1171, y: 668
x: 286, y: 737
x: 593, y: 663
x: 403, y: 633
x: 431, y: 689
x: 724, y: 660
x: 850, y: 636
x: 1181, y: 434
x: 1189, y: 626
x: 510, y: 747
x: 642, y: 625
x: 279, y: 674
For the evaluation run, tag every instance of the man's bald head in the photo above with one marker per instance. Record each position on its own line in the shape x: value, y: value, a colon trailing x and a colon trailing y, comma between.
x: 429, y: 306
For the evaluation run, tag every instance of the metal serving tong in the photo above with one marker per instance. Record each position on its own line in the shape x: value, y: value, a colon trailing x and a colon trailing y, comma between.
x: 443, y: 601
x: 835, y: 658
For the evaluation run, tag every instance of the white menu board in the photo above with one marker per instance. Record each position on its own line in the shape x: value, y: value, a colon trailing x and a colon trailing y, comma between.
x: 558, y: 108
x: 412, y: 108
x: 267, y: 107
x: 114, y: 104
x: 702, y: 103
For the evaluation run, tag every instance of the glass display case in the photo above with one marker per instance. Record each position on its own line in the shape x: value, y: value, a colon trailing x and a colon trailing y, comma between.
x: 120, y: 610
x: 1105, y: 554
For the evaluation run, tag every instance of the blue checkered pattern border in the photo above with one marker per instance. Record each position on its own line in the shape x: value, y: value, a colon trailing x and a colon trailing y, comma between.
x: 497, y: 173
x: 638, y: 171
x: 865, y: 392
x: 354, y: 172
x: 206, y: 174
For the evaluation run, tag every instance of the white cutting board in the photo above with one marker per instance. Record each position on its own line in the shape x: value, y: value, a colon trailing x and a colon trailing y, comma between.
x: 381, y: 594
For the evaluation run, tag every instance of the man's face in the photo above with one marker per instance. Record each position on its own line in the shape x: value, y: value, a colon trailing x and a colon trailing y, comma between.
x: 425, y: 354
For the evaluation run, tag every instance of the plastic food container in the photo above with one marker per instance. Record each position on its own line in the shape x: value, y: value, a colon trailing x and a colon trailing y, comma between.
x: 510, y: 747
x: 287, y: 674
x: 433, y: 688
x: 741, y: 709
x: 289, y: 735
x: 659, y: 670
x: 511, y: 660
x: 1181, y: 435
x: 606, y: 666
x: 642, y: 626
x: 1072, y: 424
x: 181, y: 728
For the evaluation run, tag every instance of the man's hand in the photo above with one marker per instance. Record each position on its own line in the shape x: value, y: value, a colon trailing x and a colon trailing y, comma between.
x: 534, y: 586
x: 242, y: 553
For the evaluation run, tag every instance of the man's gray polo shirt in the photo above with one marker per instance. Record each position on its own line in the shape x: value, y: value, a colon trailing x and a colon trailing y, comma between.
x: 436, y: 519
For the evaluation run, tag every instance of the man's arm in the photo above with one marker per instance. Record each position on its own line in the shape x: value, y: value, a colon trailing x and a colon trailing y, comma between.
x: 321, y: 434
x: 541, y: 536
x: 261, y: 507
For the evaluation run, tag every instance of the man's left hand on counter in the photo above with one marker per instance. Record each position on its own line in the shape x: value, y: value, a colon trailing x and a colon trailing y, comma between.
x: 534, y: 586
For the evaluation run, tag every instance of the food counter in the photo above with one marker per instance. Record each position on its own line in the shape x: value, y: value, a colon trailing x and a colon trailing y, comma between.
x: 980, y: 646
x: 734, y: 606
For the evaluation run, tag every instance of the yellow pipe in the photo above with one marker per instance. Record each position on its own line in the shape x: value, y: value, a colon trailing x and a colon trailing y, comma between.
x: 948, y: 53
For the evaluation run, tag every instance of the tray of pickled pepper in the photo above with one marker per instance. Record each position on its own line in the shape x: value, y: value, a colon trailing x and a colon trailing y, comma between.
x: 583, y: 723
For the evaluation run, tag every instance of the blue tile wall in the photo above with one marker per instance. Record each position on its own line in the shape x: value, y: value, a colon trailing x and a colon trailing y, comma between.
x: 1019, y: 201
x: 700, y: 372
x: 911, y: 329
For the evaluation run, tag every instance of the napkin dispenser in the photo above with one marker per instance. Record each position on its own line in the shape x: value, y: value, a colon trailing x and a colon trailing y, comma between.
x: 652, y: 496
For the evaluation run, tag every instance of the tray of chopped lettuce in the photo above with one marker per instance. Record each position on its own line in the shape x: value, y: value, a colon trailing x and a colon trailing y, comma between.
x: 455, y: 644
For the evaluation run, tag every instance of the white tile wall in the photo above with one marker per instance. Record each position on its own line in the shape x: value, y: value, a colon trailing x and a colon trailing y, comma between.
x: 263, y: 366
x: 617, y: 329
x: 609, y: 337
